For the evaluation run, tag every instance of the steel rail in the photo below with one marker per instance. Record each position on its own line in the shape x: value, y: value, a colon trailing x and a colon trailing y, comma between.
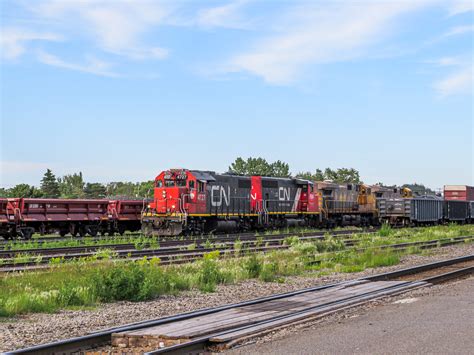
x: 175, y: 243
x: 103, y: 337
x: 177, y: 256
x: 188, y: 237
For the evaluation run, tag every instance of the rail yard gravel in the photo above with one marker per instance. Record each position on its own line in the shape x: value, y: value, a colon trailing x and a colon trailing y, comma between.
x: 32, y: 329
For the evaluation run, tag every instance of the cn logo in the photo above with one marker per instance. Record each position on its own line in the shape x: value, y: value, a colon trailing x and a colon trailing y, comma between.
x: 218, y: 194
x: 284, y: 194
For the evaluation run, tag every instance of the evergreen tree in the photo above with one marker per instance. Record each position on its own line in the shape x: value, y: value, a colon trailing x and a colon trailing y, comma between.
x: 280, y: 169
x: 94, y: 190
x: 259, y: 167
x: 49, y: 185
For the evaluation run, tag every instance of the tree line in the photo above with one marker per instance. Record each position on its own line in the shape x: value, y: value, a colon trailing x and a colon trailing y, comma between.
x: 74, y: 186
x: 259, y: 166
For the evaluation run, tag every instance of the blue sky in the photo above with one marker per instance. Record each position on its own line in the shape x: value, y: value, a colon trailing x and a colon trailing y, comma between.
x: 121, y: 90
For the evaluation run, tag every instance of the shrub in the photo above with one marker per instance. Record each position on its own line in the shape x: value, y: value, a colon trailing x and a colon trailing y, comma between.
x: 120, y: 282
x: 209, y: 275
x: 253, y: 266
x: 385, y: 230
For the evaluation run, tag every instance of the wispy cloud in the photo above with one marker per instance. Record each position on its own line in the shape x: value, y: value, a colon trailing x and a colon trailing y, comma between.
x: 226, y: 16
x: 458, y: 82
x: 13, y: 40
x: 116, y: 26
x: 460, y: 7
x: 320, y: 34
x: 459, y: 79
x: 92, y: 65
x: 459, y: 30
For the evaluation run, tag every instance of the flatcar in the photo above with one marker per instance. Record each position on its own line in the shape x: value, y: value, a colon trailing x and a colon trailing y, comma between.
x: 194, y: 202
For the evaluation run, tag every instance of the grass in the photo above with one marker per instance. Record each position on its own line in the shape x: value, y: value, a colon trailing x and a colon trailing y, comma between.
x: 91, y: 281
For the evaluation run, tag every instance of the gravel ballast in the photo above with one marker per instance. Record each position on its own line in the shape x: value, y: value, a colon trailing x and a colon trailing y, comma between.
x: 33, y: 329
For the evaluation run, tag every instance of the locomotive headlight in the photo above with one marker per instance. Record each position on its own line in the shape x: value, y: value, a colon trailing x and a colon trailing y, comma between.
x: 164, y: 193
x: 191, y: 195
x: 173, y: 206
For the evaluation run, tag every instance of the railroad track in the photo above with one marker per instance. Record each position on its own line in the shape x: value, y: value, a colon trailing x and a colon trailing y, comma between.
x: 224, y: 326
x: 7, y: 244
x: 177, y: 255
x: 20, y: 259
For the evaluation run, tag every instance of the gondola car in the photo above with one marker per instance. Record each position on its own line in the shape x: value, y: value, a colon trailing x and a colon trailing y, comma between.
x: 411, y: 211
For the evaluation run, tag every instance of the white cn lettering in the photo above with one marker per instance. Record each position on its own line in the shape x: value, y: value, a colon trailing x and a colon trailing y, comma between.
x: 216, y: 201
x: 284, y: 194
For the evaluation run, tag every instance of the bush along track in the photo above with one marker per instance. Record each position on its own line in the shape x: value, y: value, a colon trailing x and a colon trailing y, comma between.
x: 85, y: 283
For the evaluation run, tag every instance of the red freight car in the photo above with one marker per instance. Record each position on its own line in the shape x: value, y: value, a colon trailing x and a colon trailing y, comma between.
x: 459, y: 192
x: 24, y: 216
x: 125, y: 215
x: 77, y: 217
x: 7, y: 218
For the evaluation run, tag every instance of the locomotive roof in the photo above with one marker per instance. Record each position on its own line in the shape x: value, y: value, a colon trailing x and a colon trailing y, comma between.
x: 204, y: 175
x: 210, y: 176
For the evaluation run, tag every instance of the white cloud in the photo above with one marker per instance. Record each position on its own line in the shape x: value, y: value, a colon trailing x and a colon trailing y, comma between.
x: 14, y: 41
x: 116, y: 26
x: 459, y: 82
x: 320, y: 34
x: 93, y: 65
x: 226, y: 16
x: 447, y: 61
x: 459, y: 30
x: 460, y: 7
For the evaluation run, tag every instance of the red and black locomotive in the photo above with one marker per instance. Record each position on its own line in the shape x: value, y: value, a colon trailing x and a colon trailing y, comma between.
x: 194, y: 202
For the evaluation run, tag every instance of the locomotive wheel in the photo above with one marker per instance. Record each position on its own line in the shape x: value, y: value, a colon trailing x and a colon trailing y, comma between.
x: 121, y: 230
x: 92, y: 230
x: 82, y: 232
x: 63, y: 232
x: 26, y: 233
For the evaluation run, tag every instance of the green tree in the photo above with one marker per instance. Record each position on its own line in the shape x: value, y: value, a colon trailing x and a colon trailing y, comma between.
x: 3, y: 192
x: 348, y: 175
x: 259, y: 167
x: 121, y: 189
x: 72, y: 186
x: 94, y: 190
x: 23, y: 190
x: 49, y: 185
x: 239, y: 166
x: 145, y: 189
x: 419, y: 189
x: 340, y: 175
x: 317, y: 176
x: 280, y: 169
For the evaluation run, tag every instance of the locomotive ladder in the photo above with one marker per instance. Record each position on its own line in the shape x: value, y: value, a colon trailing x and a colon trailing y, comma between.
x: 263, y: 218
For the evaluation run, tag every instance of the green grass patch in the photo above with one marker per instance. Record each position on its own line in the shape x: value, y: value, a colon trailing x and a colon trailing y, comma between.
x: 101, y: 278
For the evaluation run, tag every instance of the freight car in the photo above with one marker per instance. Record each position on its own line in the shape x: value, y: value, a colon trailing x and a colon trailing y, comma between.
x: 124, y: 215
x: 347, y: 204
x: 194, y: 201
x: 411, y: 211
x: 459, y: 192
x: 21, y: 217
x: 456, y: 211
x: 7, y: 219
